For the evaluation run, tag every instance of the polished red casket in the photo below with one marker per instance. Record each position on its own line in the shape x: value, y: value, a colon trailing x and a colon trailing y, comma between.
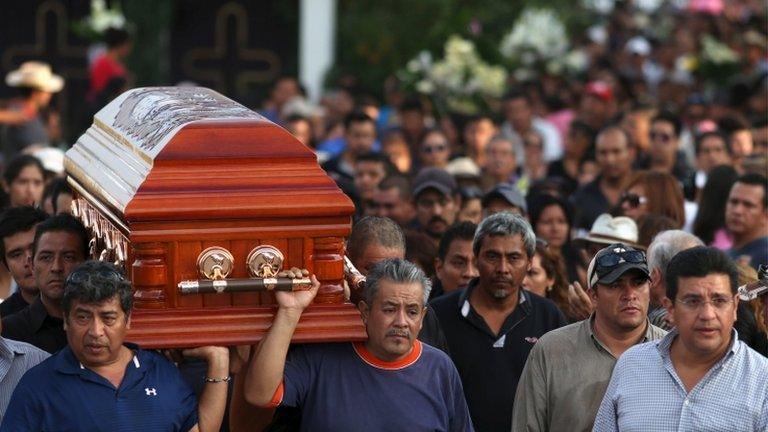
x: 165, y: 173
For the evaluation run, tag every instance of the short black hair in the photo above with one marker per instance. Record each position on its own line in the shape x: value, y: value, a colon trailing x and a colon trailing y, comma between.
x: 516, y: 93
x: 115, y: 37
x: 357, y: 117
x: 699, y: 262
x: 18, y: 219
x: 412, y: 103
x: 17, y: 164
x: 754, y: 179
x: 58, y: 187
x: 733, y: 123
x: 374, y: 230
x: 669, y: 117
x: 460, y: 231
x: 94, y: 282
x: 63, y: 222
x: 399, y: 182
x: 381, y: 158
x: 537, y: 204
x: 700, y: 139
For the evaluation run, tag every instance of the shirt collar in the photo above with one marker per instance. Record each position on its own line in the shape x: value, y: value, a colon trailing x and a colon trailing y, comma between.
x: 665, y: 344
x: 589, y: 324
x: 5, y: 350
x: 67, y: 363
x: 464, y: 306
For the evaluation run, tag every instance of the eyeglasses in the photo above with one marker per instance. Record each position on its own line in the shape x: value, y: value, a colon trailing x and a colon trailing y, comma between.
x: 85, y: 275
x: 665, y: 138
x: 697, y: 303
x: 607, y: 262
x: 438, y: 148
x: 634, y: 200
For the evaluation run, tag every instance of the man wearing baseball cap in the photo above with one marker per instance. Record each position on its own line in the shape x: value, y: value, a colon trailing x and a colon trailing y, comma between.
x: 568, y: 369
x: 436, y: 198
x: 504, y: 197
x: 37, y: 84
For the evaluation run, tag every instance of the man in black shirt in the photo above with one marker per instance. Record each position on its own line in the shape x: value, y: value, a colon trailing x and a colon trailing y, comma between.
x: 60, y: 244
x: 17, y: 231
x: 492, y: 325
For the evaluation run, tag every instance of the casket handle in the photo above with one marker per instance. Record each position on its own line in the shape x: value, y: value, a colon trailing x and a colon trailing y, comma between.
x: 204, y: 286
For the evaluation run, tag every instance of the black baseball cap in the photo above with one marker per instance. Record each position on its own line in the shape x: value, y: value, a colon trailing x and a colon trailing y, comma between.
x: 612, y: 262
x: 437, y: 179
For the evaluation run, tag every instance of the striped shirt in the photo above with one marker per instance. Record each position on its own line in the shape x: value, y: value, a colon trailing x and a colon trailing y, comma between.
x: 15, y: 359
x: 646, y: 393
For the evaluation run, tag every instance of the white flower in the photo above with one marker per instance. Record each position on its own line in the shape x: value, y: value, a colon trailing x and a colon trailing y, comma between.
x: 538, y: 33
x: 717, y: 52
x: 425, y: 86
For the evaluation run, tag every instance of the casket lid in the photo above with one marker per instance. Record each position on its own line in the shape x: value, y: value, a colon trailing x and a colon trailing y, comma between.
x: 169, y: 153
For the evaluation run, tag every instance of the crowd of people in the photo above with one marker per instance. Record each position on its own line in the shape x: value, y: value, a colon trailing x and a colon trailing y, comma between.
x: 587, y: 256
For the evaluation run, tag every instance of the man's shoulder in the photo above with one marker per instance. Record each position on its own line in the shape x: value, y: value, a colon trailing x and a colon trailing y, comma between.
x: 26, y: 349
x: 560, y: 337
x: 588, y: 190
x: 16, y: 326
x: 655, y: 332
x: 42, y: 373
x: 641, y: 354
x: 447, y: 303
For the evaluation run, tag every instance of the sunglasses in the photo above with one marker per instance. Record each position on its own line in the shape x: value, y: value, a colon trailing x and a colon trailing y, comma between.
x: 607, y: 262
x: 434, y: 148
x: 81, y: 276
x: 634, y: 200
x: 665, y: 138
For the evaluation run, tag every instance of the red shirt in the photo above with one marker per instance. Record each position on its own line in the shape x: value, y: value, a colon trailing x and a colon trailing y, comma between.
x: 102, y: 70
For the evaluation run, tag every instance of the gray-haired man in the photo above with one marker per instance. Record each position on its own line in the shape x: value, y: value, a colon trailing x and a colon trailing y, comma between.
x: 492, y: 324
x: 344, y: 386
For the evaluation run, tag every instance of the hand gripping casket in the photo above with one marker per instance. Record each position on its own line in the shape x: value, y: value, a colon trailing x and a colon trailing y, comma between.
x: 203, y: 201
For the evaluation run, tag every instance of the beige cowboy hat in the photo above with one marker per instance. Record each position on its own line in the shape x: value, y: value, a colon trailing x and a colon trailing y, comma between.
x: 608, y: 230
x: 36, y: 75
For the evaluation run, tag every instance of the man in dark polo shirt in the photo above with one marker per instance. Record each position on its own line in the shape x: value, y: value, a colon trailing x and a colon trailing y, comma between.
x: 60, y: 244
x: 97, y: 382
x: 17, y: 233
x: 614, y: 157
x: 492, y: 325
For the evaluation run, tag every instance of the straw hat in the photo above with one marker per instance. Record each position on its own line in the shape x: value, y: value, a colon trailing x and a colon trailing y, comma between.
x: 36, y: 75
x: 608, y: 230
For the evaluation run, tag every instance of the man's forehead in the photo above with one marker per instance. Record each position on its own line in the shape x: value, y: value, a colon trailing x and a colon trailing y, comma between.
x: 57, y: 238
x: 21, y: 238
x: 400, y: 293
x: 111, y: 304
x: 503, y: 243
x: 376, y: 250
x: 460, y: 246
x: 711, y: 283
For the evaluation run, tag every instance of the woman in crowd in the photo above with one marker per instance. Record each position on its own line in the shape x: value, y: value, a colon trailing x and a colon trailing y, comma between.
x: 471, y: 209
x: 547, y: 278
x: 24, y: 181
x: 551, y: 219
x: 434, y: 150
x: 650, y: 192
x: 709, y: 224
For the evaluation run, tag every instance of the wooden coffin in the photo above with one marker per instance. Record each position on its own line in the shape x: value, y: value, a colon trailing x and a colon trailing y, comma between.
x: 164, y: 173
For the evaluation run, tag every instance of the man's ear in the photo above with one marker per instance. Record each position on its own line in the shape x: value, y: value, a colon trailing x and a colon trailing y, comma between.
x: 655, y: 276
x: 365, y: 310
x: 668, y: 304
x: 592, y: 293
x: 438, y: 264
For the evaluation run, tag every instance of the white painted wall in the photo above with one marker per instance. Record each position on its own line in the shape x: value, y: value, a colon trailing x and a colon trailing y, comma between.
x: 317, y: 38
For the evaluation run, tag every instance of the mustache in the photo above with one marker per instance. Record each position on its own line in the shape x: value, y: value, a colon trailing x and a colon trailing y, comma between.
x: 399, y: 333
x: 436, y: 219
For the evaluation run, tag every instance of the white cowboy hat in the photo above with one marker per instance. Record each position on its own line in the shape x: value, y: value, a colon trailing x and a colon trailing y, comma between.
x: 37, y: 75
x: 608, y: 230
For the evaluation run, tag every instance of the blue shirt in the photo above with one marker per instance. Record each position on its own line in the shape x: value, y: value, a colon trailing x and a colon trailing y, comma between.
x: 343, y: 387
x: 646, y: 393
x: 61, y: 394
x: 16, y: 358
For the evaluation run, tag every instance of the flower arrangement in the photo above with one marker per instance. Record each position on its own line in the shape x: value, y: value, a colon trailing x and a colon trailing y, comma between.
x: 101, y: 18
x: 538, y: 43
x: 460, y: 82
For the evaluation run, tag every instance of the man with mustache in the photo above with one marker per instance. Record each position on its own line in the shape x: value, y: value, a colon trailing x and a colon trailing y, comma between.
x: 492, y: 324
x: 436, y: 198
x: 98, y: 382
x: 700, y: 376
x: 389, y: 382
x: 455, y: 263
x: 60, y: 244
x: 569, y: 368
x: 17, y: 232
x: 746, y: 219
